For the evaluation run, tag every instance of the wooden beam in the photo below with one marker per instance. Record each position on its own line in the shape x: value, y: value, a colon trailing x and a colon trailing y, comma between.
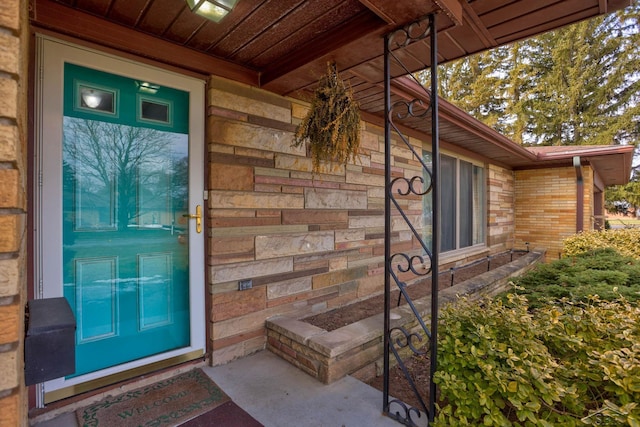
x: 65, y: 20
x: 603, y: 6
x: 378, y: 11
x: 401, y: 12
x: 361, y: 25
x: 474, y: 22
x: 453, y: 9
x: 608, y: 6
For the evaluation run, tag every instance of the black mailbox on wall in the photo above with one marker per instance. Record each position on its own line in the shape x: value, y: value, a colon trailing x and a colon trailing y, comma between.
x: 49, y: 349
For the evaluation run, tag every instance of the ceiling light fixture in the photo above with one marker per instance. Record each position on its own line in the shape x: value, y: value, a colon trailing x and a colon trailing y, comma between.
x: 147, y: 87
x: 91, y: 98
x: 213, y: 10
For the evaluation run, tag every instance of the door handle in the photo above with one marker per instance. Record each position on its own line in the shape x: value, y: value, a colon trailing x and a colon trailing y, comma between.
x: 198, y: 217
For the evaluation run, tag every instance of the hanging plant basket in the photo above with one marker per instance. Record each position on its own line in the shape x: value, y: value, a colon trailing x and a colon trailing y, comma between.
x: 332, y: 126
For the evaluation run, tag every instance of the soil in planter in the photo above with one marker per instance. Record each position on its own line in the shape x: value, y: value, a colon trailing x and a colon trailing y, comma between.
x: 352, y: 313
x: 399, y: 388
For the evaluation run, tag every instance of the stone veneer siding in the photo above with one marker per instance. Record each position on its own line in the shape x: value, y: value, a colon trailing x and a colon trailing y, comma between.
x: 546, y: 207
x: 13, y: 208
x: 308, y: 242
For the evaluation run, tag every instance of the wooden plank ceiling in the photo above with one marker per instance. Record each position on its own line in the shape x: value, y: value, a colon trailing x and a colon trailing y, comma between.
x: 284, y: 45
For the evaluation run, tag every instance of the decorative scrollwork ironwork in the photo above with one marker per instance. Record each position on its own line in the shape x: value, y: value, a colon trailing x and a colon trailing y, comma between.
x: 412, y: 265
x: 411, y: 185
x: 407, y: 418
x: 411, y: 261
x: 415, y: 232
x: 414, y: 108
x: 425, y: 167
x: 408, y: 34
x: 405, y: 339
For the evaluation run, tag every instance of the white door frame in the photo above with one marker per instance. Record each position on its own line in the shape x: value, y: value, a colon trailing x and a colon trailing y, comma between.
x: 51, y: 56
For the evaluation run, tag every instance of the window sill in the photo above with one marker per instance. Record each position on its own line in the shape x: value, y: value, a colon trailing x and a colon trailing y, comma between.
x: 463, y: 256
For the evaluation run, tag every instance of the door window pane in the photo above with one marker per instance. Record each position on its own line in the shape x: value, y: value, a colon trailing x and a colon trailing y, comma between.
x: 155, y: 111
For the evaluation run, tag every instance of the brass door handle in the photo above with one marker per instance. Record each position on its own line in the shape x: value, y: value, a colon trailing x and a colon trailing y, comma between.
x: 198, y: 217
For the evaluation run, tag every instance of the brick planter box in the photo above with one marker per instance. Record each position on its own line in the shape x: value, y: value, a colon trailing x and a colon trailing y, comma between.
x: 357, y: 349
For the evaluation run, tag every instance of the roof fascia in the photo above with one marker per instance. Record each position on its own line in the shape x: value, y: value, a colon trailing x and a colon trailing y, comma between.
x: 455, y: 115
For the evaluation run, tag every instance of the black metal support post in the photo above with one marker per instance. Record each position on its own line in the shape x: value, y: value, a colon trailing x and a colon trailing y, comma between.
x: 435, y: 150
x: 387, y: 227
x: 414, y: 266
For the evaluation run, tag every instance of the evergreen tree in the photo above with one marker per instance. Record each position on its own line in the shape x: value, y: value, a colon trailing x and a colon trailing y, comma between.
x: 587, y: 91
x: 475, y: 86
x: 578, y: 85
x: 628, y: 193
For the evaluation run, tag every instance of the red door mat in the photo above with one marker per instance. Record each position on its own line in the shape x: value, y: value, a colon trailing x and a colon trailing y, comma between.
x: 226, y: 415
x: 169, y: 402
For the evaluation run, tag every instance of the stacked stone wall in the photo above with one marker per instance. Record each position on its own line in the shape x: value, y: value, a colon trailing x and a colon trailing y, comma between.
x: 308, y: 242
x: 357, y: 349
x: 13, y: 208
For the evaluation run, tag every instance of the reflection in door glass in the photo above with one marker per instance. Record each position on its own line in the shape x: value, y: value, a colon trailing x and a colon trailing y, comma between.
x: 125, y: 251
x: 154, y: 111
x: 124, y: 176
x: 96, y: 99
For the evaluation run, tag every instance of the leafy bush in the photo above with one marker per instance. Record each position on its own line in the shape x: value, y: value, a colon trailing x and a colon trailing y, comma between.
x: 599, y: 344
x: 625, y: 241
x: 566, y: 364
x: 493, y: 369
x: 602, y: 272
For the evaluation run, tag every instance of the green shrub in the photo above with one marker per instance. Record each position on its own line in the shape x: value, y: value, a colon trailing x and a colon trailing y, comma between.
x: 565, y: 351
x: 625, y: 241
x: 598, y: 342
x: 494, y: 370
x: 602, y: 272
x: 566, y: 364
x: 622, y: 371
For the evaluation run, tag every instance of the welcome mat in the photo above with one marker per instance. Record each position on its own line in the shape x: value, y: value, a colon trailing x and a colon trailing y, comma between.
x: 166, y: 403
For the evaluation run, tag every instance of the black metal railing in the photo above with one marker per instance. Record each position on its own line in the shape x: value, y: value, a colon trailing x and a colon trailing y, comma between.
x: 402, y: 267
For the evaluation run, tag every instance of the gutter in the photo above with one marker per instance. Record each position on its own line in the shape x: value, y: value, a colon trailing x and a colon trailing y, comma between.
x: 579, y: 195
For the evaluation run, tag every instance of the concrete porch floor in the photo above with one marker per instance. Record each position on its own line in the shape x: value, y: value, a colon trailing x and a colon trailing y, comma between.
x: 277, y: 394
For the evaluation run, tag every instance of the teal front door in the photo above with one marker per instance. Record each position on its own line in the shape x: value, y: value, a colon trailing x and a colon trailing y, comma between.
x: 116, y: 225
x: 125, y: 188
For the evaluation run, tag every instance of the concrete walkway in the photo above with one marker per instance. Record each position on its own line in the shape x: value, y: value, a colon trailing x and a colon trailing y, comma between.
x: 278, y: 394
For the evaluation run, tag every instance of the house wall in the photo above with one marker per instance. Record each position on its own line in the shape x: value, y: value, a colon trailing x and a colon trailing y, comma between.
x: 501, y: 215
x: 13, y: 137
x: 308, y: 242
x: 546, y: 206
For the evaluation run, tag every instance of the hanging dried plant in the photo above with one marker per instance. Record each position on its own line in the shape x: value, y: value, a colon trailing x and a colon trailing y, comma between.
x: 332, y: 125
